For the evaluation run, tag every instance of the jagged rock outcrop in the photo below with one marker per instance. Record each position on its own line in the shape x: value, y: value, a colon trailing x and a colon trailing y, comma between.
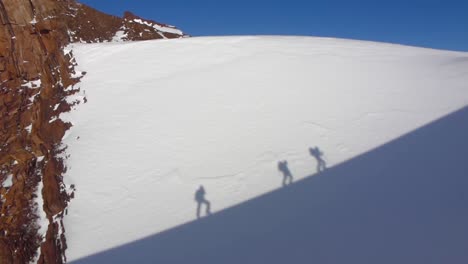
x: 39, y: 83
x: 136, y: 28
x: 94, y: 26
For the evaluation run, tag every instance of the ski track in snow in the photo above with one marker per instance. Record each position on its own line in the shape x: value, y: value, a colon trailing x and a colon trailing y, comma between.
x: 166, y: 116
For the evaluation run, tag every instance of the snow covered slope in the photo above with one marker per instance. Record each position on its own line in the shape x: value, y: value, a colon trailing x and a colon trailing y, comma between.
x: 164, y: 117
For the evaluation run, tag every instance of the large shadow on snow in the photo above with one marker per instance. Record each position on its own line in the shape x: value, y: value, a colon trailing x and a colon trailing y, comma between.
x: 404, y: 202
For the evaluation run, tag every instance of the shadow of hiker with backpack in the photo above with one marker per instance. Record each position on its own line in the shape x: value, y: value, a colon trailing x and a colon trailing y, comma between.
x: 200, y: 199
x: 287, y: 176
x: 317, y: 154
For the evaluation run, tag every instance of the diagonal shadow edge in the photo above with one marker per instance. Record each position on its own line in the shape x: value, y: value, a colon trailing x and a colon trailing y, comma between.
x: 403, y: 202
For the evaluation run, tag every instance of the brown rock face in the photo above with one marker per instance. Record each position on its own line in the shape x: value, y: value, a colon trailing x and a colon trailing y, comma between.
x: 92, y: 25
x: 36, y: 77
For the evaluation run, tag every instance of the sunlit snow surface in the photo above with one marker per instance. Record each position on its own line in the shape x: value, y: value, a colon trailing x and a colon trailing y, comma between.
x: 164, y: 117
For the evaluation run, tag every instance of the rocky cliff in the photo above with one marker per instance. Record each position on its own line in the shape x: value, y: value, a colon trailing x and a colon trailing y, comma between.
x: 38, y: 83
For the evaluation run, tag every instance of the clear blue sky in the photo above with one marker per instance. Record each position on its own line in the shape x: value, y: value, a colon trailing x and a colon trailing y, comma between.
x: 441, y: 24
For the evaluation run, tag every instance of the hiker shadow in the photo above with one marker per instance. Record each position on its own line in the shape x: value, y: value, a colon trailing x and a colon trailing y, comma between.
x: 287, y: 176
x: 318, y: 154
x: 201, y: 200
